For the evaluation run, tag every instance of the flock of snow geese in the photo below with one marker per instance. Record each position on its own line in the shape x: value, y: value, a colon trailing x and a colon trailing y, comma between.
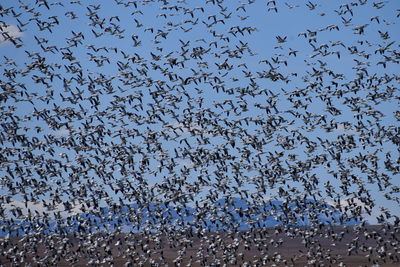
x: 199, y: 133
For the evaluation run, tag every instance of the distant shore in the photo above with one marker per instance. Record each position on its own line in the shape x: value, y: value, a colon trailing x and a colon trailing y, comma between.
x: 331, y: 246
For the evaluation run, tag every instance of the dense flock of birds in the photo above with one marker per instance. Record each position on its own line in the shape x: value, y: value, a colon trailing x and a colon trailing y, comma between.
x: 145, y: 113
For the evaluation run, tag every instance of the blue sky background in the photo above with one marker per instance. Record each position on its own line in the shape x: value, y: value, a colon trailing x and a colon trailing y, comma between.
x: 190, y: 103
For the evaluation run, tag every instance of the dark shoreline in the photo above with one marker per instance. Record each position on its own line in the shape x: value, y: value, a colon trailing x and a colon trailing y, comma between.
x: 263, y: 246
